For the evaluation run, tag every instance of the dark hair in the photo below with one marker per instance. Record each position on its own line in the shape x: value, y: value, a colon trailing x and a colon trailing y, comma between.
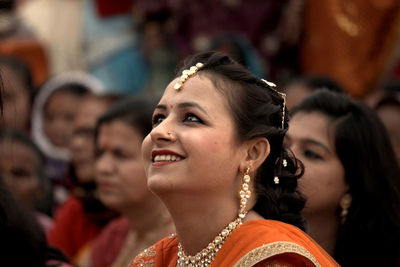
x: 134, y: 111
x: 389, y: 99
x: 23, y: 242
x: 372, y: 226
x: 7, y: 5
x: 22, y: 239
x: 22, y: 69
x: 71, y: 88
x: 391, y: 86
x: 257, y: 112
x: 315, y: 82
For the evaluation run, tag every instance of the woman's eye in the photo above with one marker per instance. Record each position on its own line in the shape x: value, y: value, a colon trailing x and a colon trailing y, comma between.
x: 119, y: 154
x: 19, y: 173
x: 311, y: 154
x: 192, y: 118
x: 157, y: 119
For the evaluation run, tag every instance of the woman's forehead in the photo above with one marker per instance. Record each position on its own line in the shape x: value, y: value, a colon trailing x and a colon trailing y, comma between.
x: 199, y: 87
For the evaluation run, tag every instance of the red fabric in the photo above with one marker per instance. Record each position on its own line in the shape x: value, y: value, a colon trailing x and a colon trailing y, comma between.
x: 106, y: 247
x: 110, y: 7
x: 72, y: 229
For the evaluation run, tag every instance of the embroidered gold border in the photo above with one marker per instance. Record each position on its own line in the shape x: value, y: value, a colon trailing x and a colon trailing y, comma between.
x: 268, y: 250
x: 145, y: 258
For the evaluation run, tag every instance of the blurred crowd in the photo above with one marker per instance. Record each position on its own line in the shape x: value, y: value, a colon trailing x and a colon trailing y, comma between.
x: 72, y: 70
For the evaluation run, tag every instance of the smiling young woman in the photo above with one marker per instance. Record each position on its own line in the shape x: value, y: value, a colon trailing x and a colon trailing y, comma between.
x: 215, y: 158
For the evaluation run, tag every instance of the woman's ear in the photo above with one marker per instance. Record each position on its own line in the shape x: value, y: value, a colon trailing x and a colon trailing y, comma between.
x: 257, y: 150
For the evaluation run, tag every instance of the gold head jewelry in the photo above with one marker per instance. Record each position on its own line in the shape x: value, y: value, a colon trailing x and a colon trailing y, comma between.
x: 186, y: 74
x: 283, y: 95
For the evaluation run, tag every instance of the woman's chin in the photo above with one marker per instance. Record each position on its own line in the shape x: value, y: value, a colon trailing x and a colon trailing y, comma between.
x: 160, y: 184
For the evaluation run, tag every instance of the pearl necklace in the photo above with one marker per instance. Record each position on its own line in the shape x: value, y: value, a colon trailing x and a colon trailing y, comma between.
x: 206, y: 256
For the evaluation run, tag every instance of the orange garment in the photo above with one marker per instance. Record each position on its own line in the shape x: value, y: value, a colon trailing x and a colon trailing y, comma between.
x: 72, y: 228
x: 31, y: 52
x: 353, y: 42
x: 254, y: 243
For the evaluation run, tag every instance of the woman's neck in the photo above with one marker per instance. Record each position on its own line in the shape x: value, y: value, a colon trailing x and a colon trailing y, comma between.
x: 199, y: 221
x: 149, y: 218
x: 324, y: 230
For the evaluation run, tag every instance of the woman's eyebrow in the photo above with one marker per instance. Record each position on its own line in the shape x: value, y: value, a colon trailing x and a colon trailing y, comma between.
x: 159, y: 106
x: 192, y: 104
x: 315, y: 142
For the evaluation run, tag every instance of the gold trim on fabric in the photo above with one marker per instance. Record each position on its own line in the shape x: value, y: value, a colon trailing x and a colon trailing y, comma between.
x: 275, y: 248
x: 146, y: 258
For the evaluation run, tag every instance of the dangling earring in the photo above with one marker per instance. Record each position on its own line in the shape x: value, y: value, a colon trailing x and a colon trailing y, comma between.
x: 345, y: 204
x: 244, y: 194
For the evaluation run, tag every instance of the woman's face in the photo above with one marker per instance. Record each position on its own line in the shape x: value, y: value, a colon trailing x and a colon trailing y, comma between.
x: 16, y: 102
x: 59, y: 115
x: 323, y: 182
x: 296, y: 92
x: 192, y: 148
x: 120, y: 174
x: 19, y: 169
x: 82, y: 141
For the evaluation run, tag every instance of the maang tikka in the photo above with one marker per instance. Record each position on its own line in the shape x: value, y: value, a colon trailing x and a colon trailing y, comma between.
x: 186, y: 74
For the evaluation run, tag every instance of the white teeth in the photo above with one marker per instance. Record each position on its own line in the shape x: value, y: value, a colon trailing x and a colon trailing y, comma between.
x: 159, y: 158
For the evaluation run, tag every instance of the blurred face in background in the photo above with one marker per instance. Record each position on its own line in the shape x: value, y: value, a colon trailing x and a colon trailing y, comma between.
x: 19, y: 168
x: 16, y: 101
x: 120, y: 175
x: 82, y: 142
x: 323, y: 183
x: 59, y: 116
x: 295, y: 92
x: 390, y: 116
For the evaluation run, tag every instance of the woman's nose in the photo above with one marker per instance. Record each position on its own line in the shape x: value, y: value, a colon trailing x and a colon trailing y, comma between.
x: 104, y: 166
x: 164, y: 132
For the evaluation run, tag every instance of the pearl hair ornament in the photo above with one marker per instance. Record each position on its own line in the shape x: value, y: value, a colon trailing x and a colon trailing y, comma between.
x: 186, y: 74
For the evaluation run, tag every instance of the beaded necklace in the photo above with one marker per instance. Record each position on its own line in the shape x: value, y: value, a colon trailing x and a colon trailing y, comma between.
x: 206, y: 256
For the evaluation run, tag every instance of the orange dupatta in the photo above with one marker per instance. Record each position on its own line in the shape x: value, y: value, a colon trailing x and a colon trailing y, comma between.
x: 253, y: 243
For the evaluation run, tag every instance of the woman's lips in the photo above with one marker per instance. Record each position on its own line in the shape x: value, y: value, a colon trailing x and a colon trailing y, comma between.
x: 104, y: 186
